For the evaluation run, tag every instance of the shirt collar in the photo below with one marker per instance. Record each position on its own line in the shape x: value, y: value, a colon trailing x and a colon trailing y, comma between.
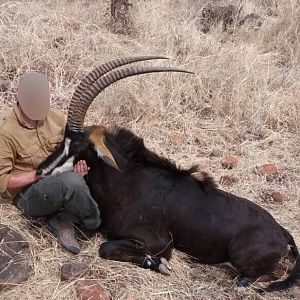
x: 21, y: 120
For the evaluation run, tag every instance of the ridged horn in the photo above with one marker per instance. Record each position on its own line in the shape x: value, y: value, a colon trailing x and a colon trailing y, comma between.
x: 79, y: 105
x: 94, y: 75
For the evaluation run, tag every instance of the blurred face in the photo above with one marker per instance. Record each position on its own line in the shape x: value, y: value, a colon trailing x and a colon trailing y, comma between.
x: 34, y: 95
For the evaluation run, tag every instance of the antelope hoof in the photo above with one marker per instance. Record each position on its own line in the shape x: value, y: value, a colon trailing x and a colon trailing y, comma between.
x: 164, y: 267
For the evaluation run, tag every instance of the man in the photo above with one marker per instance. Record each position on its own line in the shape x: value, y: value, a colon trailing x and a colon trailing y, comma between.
x: 28, y: 134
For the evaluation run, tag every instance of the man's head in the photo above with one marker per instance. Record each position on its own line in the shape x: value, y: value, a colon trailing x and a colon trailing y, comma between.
x: 34, y: 95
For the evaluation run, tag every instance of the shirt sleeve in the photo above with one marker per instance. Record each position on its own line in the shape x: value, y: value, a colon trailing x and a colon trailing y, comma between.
x: 7, y: 161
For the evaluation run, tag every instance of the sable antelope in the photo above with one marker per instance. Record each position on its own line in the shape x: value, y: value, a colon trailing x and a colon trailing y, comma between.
x: 150, y: 206
x: 75, y: 139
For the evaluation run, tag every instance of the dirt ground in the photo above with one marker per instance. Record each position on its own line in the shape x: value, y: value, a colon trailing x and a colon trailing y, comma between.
x: 244, y: 100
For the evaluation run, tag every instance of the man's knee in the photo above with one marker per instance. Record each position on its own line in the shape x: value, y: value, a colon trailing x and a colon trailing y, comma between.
x: 92, y: 223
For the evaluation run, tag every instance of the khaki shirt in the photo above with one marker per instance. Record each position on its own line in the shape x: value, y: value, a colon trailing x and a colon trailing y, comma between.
x: 23, y: 148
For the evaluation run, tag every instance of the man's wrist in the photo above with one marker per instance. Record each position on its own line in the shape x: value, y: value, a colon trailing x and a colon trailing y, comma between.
x: 35, y: 177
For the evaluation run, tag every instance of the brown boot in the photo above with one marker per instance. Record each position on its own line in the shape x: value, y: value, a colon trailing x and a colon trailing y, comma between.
x: 64, y: 231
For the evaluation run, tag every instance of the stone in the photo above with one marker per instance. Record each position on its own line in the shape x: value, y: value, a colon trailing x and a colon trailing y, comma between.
x: 279, y: 197
x: 176, y: 138
x: 228, y: 180
x: 73, y: 270
x: 229, y: 162
x: 15, y: 259
x: 274, y: 196
x: 15, y: 273
x: 89, y: 289
x: 267, y: 170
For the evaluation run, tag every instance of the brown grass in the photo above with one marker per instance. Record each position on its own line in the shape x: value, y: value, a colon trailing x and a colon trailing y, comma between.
x: 244, y: 100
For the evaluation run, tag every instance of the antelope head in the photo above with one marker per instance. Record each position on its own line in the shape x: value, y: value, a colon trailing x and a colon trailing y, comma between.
x: 75, y: 139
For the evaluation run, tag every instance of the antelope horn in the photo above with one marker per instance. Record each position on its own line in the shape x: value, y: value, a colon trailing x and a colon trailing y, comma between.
x: 80, y: 104
x: 94, y: 75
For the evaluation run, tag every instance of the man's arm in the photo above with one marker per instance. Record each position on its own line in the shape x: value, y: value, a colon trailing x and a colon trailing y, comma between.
x: 19, y: 181
x: 7, y: 159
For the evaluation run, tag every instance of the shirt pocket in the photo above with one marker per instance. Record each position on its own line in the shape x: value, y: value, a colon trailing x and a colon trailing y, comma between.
x: 30, y: 157
x: 54, y: 141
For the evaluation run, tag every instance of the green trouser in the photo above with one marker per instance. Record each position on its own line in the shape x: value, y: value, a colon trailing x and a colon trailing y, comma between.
x: 65, y: 194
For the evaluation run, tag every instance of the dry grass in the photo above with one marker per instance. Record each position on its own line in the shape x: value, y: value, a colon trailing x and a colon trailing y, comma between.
x: 243, y: 100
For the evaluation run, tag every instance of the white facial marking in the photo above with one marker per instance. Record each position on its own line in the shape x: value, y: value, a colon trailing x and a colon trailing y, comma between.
x: 67, y: 146
x: 56, y: 162
x: 53, y: 165
x: 67, y: 166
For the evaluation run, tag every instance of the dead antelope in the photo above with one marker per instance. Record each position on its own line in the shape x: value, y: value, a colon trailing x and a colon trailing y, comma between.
x: 150, y: 206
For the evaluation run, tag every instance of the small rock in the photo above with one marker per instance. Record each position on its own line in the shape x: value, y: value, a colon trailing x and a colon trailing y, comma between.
x: 73, y: 270
x: 267, y: 170
x: 14, y: 258
x: 176, y: 138
x: 216, y: 153
x: 279, y: 197
x: 89, y: 289
x: 228, y: 162
x: 274, y: 196
x: 228, y: 180
x: 15, y: 273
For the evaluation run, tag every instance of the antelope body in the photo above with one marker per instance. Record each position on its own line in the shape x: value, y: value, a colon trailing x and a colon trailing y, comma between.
x: 150, y: 206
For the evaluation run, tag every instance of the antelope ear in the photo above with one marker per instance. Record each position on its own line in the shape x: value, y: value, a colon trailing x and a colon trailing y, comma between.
x: 97, y: 138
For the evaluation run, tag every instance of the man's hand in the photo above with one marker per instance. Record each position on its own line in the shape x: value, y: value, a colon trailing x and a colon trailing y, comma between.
x: 81, y: 168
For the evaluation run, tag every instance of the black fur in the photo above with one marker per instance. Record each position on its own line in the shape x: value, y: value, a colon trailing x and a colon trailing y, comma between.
x: 153, y: 205
x: 161, y: 206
